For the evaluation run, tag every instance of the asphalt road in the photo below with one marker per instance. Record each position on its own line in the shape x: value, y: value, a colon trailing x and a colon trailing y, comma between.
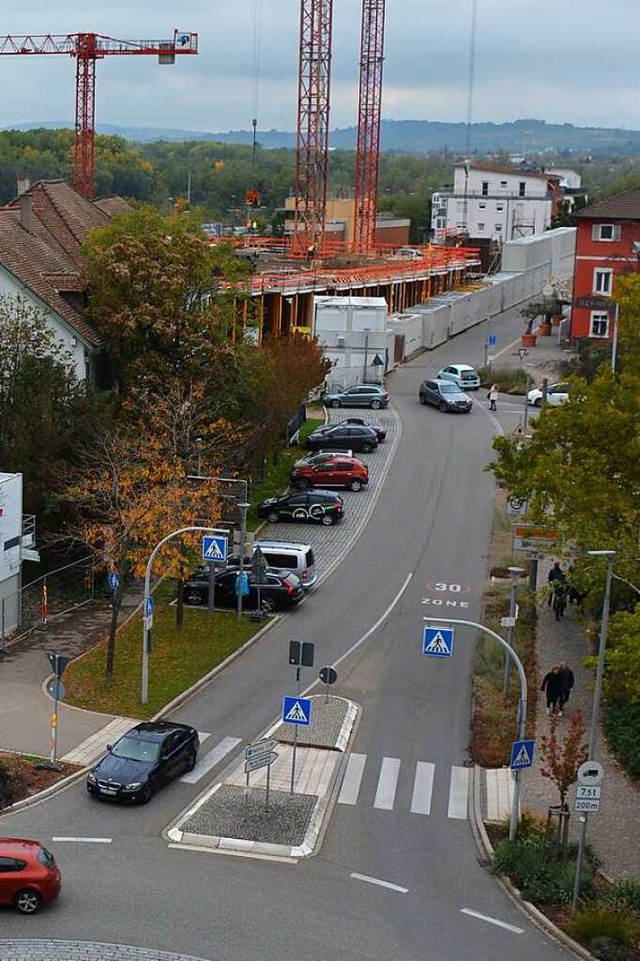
x: 423, y: 552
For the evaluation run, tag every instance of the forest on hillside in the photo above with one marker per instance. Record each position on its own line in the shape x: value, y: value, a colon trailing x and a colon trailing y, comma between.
x: 213, y: 177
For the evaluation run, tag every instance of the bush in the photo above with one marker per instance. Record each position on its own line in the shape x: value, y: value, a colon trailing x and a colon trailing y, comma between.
x: 602, y: 921
x: 10, y: 784
x: 624, y: 894
x: 606, y: 949
x: 621, y: 723
x: 512, y: 380
x: 531, y: 864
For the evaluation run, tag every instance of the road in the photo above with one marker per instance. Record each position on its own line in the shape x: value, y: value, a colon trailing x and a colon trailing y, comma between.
x: 389, y: 881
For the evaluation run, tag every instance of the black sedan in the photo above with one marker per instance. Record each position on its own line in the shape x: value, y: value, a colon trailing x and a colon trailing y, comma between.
x: 314, y: 506
x: 144, y: 759
x: 355, y: 437
x: 273, y: 590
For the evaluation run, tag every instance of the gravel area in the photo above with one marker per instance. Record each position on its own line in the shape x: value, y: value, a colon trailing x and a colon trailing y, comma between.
x: 326, y: 723
x: 234, y: 812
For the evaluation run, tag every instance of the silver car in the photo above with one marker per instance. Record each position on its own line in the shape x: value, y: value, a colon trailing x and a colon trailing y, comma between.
x: 359, y: 395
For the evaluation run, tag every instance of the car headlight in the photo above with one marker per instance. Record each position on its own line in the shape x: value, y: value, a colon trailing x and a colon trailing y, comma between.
x: 91, y: 778
x: 133, y: 786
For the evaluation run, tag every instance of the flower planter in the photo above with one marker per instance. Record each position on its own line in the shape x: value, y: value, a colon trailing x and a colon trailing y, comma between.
x: 556, y: 320
x: 528, y: 340
x: 544, y: 330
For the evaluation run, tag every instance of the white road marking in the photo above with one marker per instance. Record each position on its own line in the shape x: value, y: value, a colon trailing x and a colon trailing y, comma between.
x: 422, y: 788
x: 214, y: 756
x: 387, y: 783
x: 85, y: 840
x: 382, y: 884
x: 499, y: 924
x: 458, y: 792
x: 352, y: 778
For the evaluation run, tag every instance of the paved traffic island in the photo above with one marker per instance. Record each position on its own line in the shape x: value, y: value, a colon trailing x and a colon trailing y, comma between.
x: 277, y: 810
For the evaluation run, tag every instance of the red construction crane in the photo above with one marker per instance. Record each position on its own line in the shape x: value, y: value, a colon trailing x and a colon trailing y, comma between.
x: 369, y: 112
x: 87, y: 48
x: 312, y: 146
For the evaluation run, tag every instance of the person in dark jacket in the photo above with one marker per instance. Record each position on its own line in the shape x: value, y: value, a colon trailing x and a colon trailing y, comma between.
x: 567, y: 680
x: 552, y: 686
x: 556, y: 579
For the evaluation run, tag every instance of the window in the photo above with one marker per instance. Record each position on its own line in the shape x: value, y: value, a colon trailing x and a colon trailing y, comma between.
x: 480, y: 228
x: 485, y: 188
x: 602, y: 280
x: 500, y: 208
x: 503, y: 184
x: 599, y: 324
x: 522, y: 187
x: 606, y: 232
x: 498, y: 228
x: 482, y: 206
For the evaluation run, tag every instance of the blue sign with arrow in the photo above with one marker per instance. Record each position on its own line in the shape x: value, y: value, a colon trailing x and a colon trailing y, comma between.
x: 522, y: 754
x: 437, y: 641
x: 114, y: 580
x: 214, y: 548
x: 296, y: 710
x: 492, y: 340
x: 148, y: 606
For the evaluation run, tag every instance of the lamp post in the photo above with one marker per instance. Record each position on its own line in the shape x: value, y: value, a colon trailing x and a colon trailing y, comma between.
x: 595, y: 709
x: 522, y: 353
x: 515, y: 574
x: 243, y: 507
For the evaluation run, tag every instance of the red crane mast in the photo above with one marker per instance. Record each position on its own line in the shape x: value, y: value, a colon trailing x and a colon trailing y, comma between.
x: 369, y: 114
x: 312, y: 144
x: 87, y: 48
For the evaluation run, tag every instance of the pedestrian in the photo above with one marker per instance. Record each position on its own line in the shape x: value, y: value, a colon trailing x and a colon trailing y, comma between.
x: 559, y: 605
x: 494, y: 392
x: 552, y: 686
x: 567, y: 681
x: 555, y: 576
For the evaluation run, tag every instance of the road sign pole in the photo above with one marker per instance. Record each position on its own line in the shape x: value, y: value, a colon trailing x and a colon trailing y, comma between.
x: 295, y: 737
x: 266, y: 804
x: 54, y: 720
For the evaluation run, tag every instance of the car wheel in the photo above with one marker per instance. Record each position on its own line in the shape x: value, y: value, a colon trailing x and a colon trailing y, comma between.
x: 375, y: 405
x: 27, y: 902
x: 192, y: 758
x: 194, y: 598
x: 537, y: 402
x: 145, y: 795
x: 367, y: 448
x: 335, y: 403
x: 421, y: 398
x: 355, y: 485
x: 272, y: 517
x: 442, y: 406
x: 326, y: 520
x: 267, y: 606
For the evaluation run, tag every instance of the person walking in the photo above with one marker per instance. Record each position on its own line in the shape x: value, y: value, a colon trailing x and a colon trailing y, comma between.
x: 494, y: 393
x: 555, y: 577
x: 567, y: 681
x: 552, y: 686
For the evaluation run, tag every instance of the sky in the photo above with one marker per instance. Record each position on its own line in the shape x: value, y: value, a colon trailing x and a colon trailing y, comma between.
x: 562, y: 61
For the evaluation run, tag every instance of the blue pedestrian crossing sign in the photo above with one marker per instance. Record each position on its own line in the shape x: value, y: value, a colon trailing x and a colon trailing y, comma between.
x: 214, y: 547
x: 522, y: 754
x: 296, y: 710
x: 437, y: 641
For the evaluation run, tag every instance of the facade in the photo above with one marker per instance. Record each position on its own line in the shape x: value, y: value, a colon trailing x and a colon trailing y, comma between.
x: 608, y: 244
x: 340, y: 223
x: 494, y: 204
x: 17, y: 535
x: 353, y: 334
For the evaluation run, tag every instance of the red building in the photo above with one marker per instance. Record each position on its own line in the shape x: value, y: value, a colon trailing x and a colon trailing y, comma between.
x: 607, y: 244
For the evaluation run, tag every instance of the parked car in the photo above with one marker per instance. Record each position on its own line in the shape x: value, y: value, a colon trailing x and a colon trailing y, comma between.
x: 336, y: 471
x: 463, y: 376
x: 320, y: 456
x: 143, y: 760
x: 29, y: 875
x: 445, y: 396
x: 556, y: 394
x: 380, y: 431
x: 354, y: 436
x: 274, y: 590
x: 359, y: 395
x: 286, y: 557
x: 315, y: 506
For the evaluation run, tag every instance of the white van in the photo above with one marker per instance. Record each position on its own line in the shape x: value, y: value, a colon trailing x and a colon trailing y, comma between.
x: 290, y: 556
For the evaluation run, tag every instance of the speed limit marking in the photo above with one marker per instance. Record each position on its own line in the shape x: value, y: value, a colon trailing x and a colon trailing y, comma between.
x: 444, y: 587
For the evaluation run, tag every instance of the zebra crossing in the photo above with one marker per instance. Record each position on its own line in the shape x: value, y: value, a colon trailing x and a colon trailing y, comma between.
x: 385, y: 796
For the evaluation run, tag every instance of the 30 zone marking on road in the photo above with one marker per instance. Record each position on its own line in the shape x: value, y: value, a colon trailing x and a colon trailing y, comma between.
x: 382, y: 884
x: 85, y: 840
x: 499, y: 924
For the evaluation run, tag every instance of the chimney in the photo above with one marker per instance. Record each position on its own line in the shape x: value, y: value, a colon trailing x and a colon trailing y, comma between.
x: 25, y: 211
x: 22, y: 185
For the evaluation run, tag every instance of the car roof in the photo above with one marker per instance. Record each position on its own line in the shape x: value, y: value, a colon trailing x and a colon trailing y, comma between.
x: 14, y: 845
x: 291, y: 545
x: 156, y: 730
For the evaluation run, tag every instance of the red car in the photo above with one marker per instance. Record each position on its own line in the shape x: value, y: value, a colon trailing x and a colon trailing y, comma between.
x: 336, y: 471
x: 29, y: 875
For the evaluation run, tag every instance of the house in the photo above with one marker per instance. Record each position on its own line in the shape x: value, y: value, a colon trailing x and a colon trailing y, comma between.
x: 494, y: 203
x: 41, y: 233
x: 607, y: 244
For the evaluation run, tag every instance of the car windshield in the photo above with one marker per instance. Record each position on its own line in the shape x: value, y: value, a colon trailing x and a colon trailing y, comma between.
x: 135, y: 749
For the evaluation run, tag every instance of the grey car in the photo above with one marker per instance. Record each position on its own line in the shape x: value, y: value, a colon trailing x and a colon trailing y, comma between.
x: 445, y: 396
x: 359, y: 395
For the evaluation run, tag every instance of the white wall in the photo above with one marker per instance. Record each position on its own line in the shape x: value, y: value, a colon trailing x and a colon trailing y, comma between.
x: 10, y: 556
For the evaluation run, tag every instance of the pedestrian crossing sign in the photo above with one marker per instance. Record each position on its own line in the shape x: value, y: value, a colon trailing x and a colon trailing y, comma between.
x: 214, y: 548
x: 296, y: 710
x: 437, y: 641
x: 522, y: 754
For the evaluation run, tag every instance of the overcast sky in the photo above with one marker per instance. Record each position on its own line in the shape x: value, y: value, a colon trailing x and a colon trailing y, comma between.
x: 564, y: 62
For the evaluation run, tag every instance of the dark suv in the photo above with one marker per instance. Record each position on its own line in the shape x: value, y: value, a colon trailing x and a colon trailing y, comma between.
x: 276, y: 590
x: 336, y: 471
x: 445, y: 396
x: 352, y: 436
x: 314, y: 506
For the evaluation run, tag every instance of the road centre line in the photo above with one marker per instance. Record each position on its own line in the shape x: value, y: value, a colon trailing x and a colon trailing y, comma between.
x: 382, y: 884
x: 499, y: 924
x: 84, y: 840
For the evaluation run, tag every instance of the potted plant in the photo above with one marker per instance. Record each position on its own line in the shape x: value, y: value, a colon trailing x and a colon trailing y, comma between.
x: 530, y: 312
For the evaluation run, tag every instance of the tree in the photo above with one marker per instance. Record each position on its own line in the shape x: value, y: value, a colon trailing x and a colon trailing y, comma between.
x: 561, y: 759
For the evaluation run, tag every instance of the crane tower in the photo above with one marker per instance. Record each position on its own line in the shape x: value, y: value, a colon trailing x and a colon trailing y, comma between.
x: 369, y: 113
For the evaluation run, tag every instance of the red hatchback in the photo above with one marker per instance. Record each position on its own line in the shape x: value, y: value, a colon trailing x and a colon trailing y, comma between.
x: 337, y: 471
x: 29, y: 874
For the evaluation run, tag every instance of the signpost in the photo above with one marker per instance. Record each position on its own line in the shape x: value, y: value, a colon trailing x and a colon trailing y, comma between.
x: 328, y: 676
x: 528, y: 536
x: 55, y: 687
x: 258, y: 755
x: 437, y: 641
x: 296, y: 711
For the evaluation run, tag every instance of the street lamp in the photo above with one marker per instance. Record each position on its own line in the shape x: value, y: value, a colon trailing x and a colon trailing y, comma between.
x: 595, y: 709
x: 522, y: 353
x: 515, y: 573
